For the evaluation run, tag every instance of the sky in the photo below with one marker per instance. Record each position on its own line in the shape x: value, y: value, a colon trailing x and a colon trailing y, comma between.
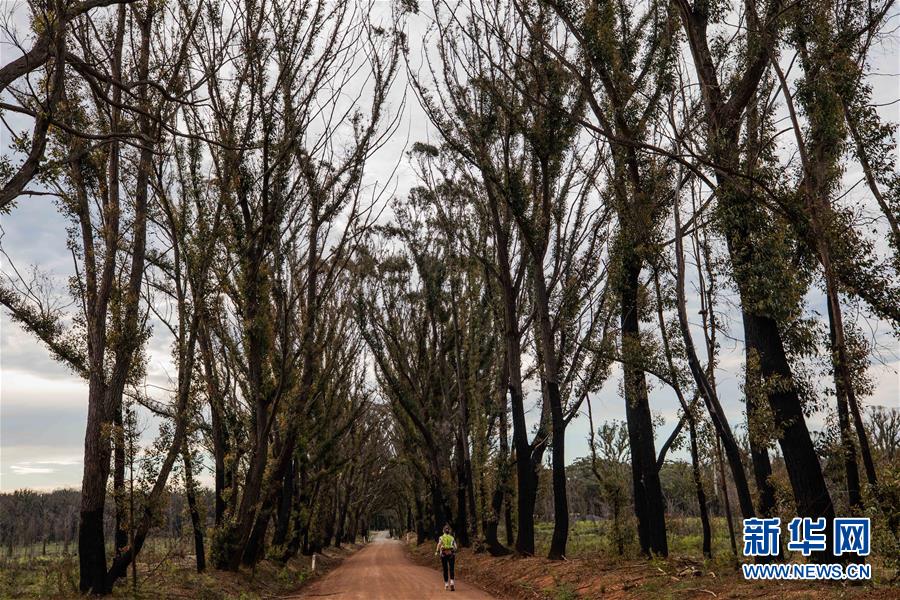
x: 43, y: 406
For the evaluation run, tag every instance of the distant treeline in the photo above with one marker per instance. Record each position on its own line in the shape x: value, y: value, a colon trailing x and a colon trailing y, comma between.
x: 38, y: 523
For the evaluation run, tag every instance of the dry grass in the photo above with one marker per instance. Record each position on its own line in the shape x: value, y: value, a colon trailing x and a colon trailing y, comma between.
x: 166, y: 575
x: 599, y: 576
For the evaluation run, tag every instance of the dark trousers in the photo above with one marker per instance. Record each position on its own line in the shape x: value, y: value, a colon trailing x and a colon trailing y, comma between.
x: 448, y: 561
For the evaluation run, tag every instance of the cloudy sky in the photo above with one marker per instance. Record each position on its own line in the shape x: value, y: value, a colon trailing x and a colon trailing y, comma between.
x: 43, y: 406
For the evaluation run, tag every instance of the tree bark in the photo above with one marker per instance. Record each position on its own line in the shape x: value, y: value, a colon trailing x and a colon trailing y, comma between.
x: 492, y: 522
x: 194, y: 509
x: 285, y: 502
x: 704, y: 386
x: 649, y: 506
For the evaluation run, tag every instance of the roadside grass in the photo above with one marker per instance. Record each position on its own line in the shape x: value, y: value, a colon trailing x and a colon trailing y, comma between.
x: 165, y: 569
x: 589, y: 538
x: 595, y: 569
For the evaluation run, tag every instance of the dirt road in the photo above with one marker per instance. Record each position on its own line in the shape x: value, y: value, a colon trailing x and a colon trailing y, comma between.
x: 382, y: 571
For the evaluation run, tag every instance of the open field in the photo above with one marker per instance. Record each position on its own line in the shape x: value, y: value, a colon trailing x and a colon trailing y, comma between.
x: 166, y: 570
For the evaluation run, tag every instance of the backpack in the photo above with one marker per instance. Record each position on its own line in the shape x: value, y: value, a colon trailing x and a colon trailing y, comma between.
x: 447, y: 544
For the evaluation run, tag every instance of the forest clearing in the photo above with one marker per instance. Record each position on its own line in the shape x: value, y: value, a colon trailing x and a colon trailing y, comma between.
x: 501, y: 298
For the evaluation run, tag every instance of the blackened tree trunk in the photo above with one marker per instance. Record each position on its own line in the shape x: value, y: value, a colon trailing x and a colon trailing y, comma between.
x: 462, y: 513
x: 527, y: 477
x: 121, y: 537
x: 550, y: 375
x: 759, y: 452
x: 194, y: 509
x: 255, y: 546
x: 223, y: 478
x: 285, y: 502
x: 421, y: 529
x: 704, y: 381
x: 91, y: 541
x: 558, y: 453
x: 330, y: 520
x: 802, y: 462
x: 492, y: 520
x: 526, y: 473
x: 440, y: 505
x: 470, y: 494
x: 698, y: 486
x: 343, y: 508
x: 649, y: 506
x: 528, y: 455
x: 723, y: 486
x: 508, y: 521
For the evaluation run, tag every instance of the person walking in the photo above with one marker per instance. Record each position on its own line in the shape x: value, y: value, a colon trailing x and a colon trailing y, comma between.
x: 446, y: 547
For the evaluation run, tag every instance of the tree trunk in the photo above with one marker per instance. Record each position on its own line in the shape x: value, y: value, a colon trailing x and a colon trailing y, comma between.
x: 492, y: 522
x: 508, y: 521
x: 727, y: 502
x: 196, y: 523
x: 285, y: 502
x: 91, y: 541
x: 462, y: 522
x: 802, y: 462
x: 470, y: 494
x: 343, y: 507
x: 526, y: 473
x: 255, y: 546
x: 698, y: 485
x: 440, y: 506
x: 299, y: 508
x: 763, y: 337
x: 121, y: 535
x: 526, y: 465
x: 558, y: 453
x: 704, y: 384
x: 421, y: 530
x: 649, y: 506
x: 223, y: 477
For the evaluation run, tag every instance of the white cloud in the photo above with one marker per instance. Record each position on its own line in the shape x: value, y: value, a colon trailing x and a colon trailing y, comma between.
x: 25, y: 469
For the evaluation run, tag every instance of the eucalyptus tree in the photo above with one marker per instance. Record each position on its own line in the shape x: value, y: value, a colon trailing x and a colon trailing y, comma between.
x: 562, y: 235
x: 535, y: 187
x: 457, y: 199
x: 294, y: 129
x: 404, y: 319
x: 756, y: 249
x: 476, y: 129
x: 829, y: 42
x: 628, y: 54
x: 105, y: 192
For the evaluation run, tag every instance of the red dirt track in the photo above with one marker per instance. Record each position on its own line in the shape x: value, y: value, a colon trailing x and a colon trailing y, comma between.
x: 382, y: 571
